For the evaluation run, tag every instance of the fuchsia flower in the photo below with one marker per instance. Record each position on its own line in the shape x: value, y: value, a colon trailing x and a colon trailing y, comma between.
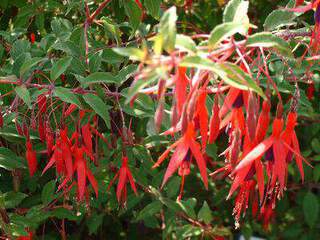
x: 124, y: 175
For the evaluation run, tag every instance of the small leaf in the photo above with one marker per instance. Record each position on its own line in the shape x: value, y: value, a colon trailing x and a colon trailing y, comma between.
x: 24, y: 94
x: 268, y: 40
x: 60, y: 67
x: 135, y: 54
x: 153, y: 7
x: 13, y: 199
x: 167, y: 29
x: 236, y: 11
x: 9, y: 160
x: 150, y: 210
x: 26, y: 66
x: 47, y: 194
x: 205, y: 213
x: 67, y: 96
x: 279, y: 18
x: 98, y: 106
x: 185, y: 43
x: 99, y: 77
x: 225, y: 30
x: 316, y: 173
x: 62, y: 213
x: 228, y: 72
x: 310, y: 209
x: 134, y: 13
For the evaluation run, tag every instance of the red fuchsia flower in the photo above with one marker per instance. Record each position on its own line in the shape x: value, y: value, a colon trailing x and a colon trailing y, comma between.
x: 242, y: 199
x: 31, y: 157
x: 277, y: 147
x: 62, y: 155
x: 310, y: 91
x: 83, y: 172
x: 42, y: 103
x: 214, y: 126
x: 125, y: 176
x: 202, y: 117
x: 234, y: 101
x: 28, y: 237
x: 32, y: 38
x: 182, y: 146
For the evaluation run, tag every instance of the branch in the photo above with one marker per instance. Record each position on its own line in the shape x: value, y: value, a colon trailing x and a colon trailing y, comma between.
x: 98, y: 10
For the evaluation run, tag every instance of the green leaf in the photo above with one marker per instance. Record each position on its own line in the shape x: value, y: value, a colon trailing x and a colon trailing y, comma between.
x: 185, y: 43
x: 316, y: 173
x: 224, y: 31
x: 268, y: 40
x: 315, y: 144
x: 99, y: 77
x: 153, y: 7
x: 24, y: 94
x: 126, y: 72
x: 98, y: 106
x: 62, y: 213
x: 47, y: 194
x: 279, y: 18
x: 26, y: 66
x: 9, y: 160
x: 133, y: 90
x: 134, y: 54
x: 60, y: 67
x: 228, y: 72
x: 94, y: 222
x: 13, y: 199
x: 310, y: 209
x: 67, y: 96
x: 236, y: 11
x: 204, y: 213
x: 167, y: 29
x: 150, y: 210
x: 134, y: 13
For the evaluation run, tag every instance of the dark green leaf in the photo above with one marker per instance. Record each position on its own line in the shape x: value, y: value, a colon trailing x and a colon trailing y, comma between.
x: 98, y: 106
x: 310, y: 209
x: 60, y: 67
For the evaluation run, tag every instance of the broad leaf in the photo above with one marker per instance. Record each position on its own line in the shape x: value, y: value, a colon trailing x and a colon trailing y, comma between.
x: 60, y: 67
x: 98, y: 106
x: 225, y: 30
x: 268, y: 40
x: 24, y: 94
x: 67, y: 96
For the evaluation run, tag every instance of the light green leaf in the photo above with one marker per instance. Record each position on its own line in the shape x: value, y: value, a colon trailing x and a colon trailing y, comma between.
x: 135, y: 54
x: 67, y: 96
x: 236, y: 11
x: 185, y: 43
x: 310, y: 209
x: 228, y: 72
x: 268, y: 40
x: 60, y: 67
x: 279, y: 18
x: 24, y: 94
x: 167, y: 29
x: 98, y: 106
x: 224, y: 31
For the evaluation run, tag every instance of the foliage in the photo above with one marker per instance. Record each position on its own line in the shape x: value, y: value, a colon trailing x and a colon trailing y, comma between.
x: 137, y: 119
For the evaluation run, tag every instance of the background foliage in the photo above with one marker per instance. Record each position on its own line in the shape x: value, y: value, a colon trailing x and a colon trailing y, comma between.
x: 59, y: 54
